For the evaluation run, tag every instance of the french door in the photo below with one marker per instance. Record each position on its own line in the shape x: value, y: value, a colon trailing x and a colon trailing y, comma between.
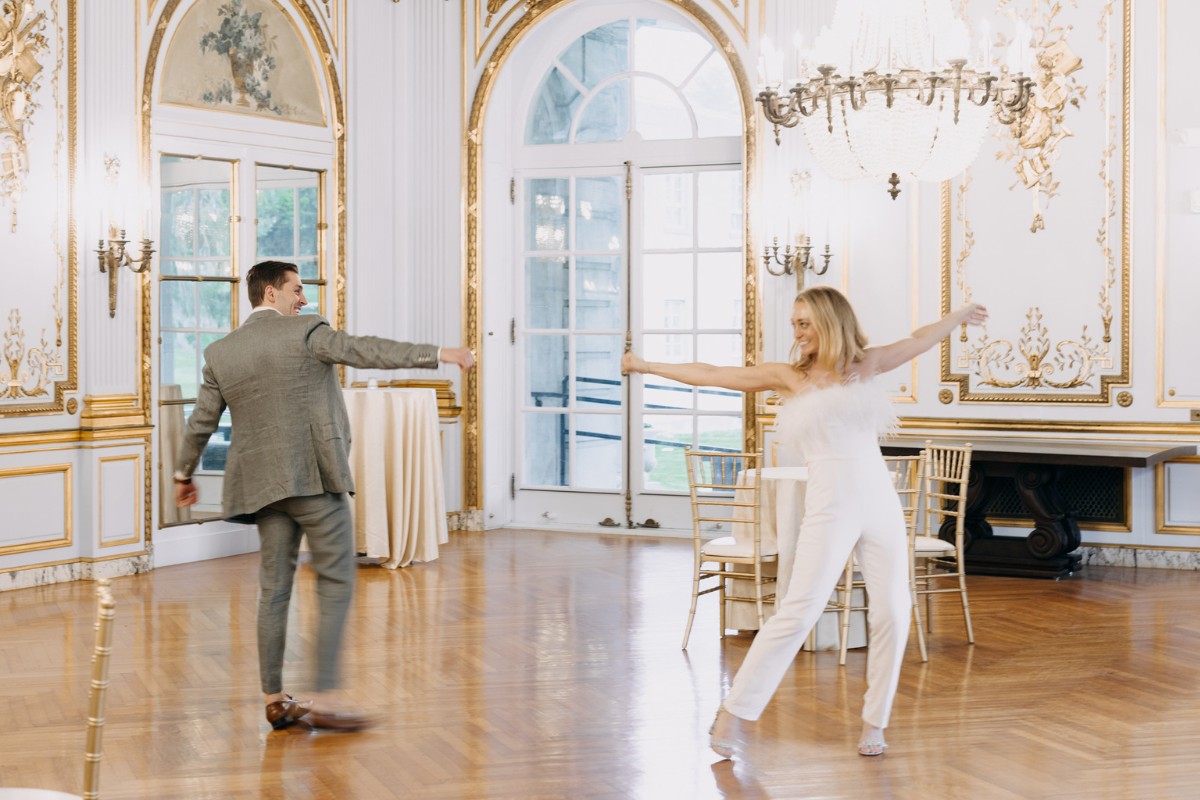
x: 610, y: 259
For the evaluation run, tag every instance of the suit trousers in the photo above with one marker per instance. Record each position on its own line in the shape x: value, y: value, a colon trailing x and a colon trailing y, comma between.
x: 850, y: 505
x: 329, y: 524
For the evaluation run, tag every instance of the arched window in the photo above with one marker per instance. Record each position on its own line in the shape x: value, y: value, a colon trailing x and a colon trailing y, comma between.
x: 652, y: 77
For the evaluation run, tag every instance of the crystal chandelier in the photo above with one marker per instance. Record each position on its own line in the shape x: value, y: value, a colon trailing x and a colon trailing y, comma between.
x: 896, y: 93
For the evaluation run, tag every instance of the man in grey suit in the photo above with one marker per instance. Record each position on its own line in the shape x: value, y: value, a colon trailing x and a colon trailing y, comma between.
x: 288, y: 468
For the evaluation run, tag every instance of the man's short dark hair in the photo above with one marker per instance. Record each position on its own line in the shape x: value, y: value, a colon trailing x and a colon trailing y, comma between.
x: 264, y: 274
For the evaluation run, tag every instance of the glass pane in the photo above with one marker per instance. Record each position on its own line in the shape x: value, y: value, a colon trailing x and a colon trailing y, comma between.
x: 667, y: 49
x: 553, y: 110
x: 172, y: 266
x: 546, y: 371
x: 205, y: 340
x: 598, y: 54
x: 599, y: 454
x: 307, y: 213
x: 195, y: 215
x: 714, y: 99
x: 667, y: 211
x: 545, y: 449
x: 180, y: 362
x: 276, y: 231
x: 660, y: 393
x: 599, y: 208
x: 310, y: 270
x: 547, y: 293
x: 546, y: 214
x: 177, y: 303
x: 216, y: 306
x: 720, y: 433
x: 287, y: 206
x: 663, y: 440
x: 606, y: 116
x: 667, y: 291
x: 719, y: 282
x: 724, y: 350
x: 216, y: 228
x: 659, y: 111
x: 598, y: 301
x: 222, y: 268
x: 178, y: 231
x: 598, y: 371
x: 720, y: 209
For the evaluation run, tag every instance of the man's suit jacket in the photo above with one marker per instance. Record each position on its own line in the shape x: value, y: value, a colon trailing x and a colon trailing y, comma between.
x: 291, y: 434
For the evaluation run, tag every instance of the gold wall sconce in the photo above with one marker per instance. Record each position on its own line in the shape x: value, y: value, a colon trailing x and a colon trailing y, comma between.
x: 114, y: 254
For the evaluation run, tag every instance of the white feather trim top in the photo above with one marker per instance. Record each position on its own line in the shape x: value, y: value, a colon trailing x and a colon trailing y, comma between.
x: 844, y: 420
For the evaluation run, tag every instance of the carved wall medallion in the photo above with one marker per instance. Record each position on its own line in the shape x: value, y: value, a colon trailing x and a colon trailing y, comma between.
x: 945, y: 397
x: 1124, y: 399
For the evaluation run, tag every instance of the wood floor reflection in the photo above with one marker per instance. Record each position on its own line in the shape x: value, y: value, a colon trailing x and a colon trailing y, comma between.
x: 538, y: 665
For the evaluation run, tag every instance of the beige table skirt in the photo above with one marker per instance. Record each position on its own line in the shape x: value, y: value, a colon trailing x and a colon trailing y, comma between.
x: 396, y: 457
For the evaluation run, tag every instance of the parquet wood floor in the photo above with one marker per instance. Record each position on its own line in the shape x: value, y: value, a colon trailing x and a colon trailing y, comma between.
x: 537, y: 665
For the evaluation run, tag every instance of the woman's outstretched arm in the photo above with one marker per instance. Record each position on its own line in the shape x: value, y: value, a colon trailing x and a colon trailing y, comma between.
x: 759, y: 378
x: 889, y: 356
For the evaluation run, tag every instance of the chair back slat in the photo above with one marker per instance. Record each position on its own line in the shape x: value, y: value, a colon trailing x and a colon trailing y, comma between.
x: 947, y: 476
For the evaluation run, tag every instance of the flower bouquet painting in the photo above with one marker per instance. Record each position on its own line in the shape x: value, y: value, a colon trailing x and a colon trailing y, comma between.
x: 243, y: 39
x: 245, y: 56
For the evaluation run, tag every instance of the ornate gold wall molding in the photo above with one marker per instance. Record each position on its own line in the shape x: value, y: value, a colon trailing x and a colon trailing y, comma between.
x: 33, y: 366
x: 473, y: 192
x: 1160, y: 499
x: 111, y: 411
x: 137, y: 529
x: 67, y: 537
x: 1042, y: 366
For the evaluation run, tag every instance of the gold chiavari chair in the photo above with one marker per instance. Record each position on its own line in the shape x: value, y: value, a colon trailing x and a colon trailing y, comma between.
x: 725, y: 488
x: 934, y: 559
x: 102, y: 648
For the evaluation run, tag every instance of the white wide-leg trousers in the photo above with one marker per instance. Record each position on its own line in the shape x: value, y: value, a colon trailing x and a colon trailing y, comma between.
x: 850, y: 504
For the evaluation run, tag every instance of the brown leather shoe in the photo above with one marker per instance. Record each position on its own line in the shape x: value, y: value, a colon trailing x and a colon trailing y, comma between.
x: 347, y: 721
x: 284, y: 712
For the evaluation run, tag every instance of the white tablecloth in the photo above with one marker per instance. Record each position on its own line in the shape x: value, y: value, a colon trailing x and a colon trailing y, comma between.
x: 396, y: 458
x: 782, y: 491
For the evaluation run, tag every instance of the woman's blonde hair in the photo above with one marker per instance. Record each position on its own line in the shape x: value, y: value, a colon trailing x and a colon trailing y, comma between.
x: 840, y: 340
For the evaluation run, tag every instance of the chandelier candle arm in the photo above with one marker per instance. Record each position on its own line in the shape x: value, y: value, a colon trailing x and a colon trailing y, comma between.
x: 908, y: 117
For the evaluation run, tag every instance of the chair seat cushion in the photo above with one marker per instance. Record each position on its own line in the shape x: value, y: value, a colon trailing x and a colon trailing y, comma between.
x: 931, y: 544
x: 729, y: 547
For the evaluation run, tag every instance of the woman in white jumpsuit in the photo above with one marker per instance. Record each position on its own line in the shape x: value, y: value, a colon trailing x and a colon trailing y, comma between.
x: 833, y: 411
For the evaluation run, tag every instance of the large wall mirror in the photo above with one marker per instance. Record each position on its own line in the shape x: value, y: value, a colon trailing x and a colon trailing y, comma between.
x: 197, y: 304
x: 208, y: 243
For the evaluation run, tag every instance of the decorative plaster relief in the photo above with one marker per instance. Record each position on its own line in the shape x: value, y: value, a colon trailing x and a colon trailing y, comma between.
x: 38, y: 141
x: 1072, y: 148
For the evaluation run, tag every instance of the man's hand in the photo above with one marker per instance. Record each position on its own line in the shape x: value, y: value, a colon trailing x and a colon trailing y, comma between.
x: 186, y: 494
x: 462, y: 356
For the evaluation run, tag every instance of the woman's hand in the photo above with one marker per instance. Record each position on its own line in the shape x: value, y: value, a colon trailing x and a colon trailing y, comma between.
x: 973, y: 314
x: 632, y: 363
